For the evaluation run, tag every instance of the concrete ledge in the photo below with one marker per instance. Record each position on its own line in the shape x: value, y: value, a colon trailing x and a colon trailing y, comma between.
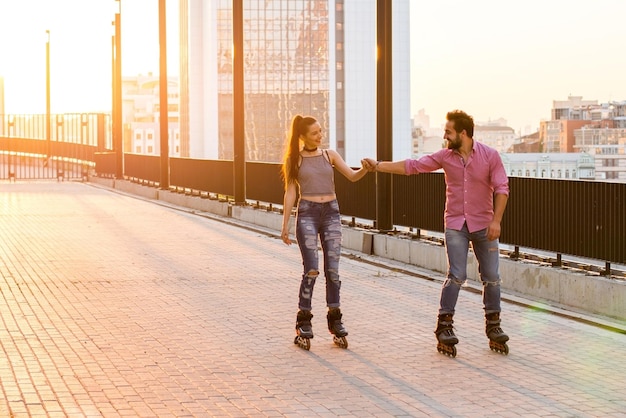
x: 194, y: 202
x: 566, y: 288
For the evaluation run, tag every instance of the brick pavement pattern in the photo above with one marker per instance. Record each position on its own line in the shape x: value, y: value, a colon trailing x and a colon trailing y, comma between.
x: 116, y: 306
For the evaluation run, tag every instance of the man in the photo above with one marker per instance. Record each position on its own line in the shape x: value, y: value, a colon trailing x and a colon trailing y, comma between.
x: 477, y: 191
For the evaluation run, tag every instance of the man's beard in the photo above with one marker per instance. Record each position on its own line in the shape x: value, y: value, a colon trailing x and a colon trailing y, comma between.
x: 454, y: 144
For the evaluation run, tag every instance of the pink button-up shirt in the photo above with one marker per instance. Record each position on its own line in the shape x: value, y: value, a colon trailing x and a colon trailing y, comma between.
x: 470, y: 187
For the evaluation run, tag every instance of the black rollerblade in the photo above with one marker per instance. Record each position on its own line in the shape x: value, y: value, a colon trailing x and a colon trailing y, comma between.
x: 446, y: 340
x: 497, y: 337
x: 304, y: 330
x: 335, y: 326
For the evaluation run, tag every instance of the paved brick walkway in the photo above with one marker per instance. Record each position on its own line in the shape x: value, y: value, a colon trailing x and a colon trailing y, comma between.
x: 115, y: 306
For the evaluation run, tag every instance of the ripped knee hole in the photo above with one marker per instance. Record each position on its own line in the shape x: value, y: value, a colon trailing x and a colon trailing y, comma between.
x: 496, y: 283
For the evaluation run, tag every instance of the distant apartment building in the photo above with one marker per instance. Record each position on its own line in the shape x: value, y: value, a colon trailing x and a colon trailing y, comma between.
x: 608, y: 145
x: 499, y: 137
x: 1, y: 105
x: 598, y: 129
x: 558, y: 135
x: 568, y: 166
x: 572, y: 108
x: 426, y: 139
x: 141, y: 115
x: 526, y: 143
x: 309, y: 57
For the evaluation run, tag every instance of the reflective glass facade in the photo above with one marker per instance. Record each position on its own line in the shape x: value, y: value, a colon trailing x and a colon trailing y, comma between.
x: 286, y: 71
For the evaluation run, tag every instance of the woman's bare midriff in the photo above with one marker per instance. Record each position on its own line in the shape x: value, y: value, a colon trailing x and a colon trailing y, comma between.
x: 320, y: 199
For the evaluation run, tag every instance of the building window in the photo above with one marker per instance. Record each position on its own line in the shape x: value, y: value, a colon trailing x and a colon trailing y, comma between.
x: 149, y: 136
x: 150, y: 149
x: 566, y: 174
x: 527, y: 173
x: 138, y: 149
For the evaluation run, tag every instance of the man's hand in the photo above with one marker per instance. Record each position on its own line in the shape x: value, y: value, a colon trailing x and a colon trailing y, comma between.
x: 369, y: 164
x: 493, y: 230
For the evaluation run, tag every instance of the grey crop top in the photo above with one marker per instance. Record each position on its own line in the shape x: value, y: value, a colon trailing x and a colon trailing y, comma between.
x: 316, y: 176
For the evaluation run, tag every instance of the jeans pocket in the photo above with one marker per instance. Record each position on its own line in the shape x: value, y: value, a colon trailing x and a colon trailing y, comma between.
x: 305, y: 207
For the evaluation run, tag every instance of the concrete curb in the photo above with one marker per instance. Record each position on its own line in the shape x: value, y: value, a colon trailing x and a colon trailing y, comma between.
x: 559, y: 288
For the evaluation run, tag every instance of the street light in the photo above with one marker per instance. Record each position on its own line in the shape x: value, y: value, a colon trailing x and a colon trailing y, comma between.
x: 48, y: 127
x: 117, y: 93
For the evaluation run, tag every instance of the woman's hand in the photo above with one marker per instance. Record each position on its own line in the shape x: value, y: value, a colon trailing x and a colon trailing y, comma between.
x: 369, y: 164
x: 284, y: 235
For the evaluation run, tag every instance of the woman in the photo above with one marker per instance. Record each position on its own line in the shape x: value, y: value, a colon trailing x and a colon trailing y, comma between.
x: 310, y: 169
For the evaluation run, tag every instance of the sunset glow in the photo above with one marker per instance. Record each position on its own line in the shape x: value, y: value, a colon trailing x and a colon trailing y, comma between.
x: 494, y: 59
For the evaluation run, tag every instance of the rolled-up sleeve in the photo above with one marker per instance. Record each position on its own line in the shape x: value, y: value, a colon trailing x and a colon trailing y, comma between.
x: 426, y: 164
x: 499, y: 179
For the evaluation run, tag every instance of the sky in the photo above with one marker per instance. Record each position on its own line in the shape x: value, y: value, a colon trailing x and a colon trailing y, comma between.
x: 80, y: 50
x: 491, y: 58
x: 511, y: 59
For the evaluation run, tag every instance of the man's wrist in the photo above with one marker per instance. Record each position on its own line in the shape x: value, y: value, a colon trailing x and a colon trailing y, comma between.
x: 376, y: 166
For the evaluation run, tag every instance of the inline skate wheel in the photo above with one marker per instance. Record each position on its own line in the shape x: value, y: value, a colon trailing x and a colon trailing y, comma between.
x: 340, y: 341
x: 448, y: 350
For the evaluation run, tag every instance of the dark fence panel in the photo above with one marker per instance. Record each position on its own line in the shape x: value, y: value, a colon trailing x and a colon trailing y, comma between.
x: 39, y: 159
x: 357, y: 199
x: 73, y: 151
x: 264, y: 182
x: 419, y: 201
x: 579, y: 218
x: 105, y: 164
x: 143, y: 167
x: 25, y: 145
x: 69, y: 152
x: 214, y: 176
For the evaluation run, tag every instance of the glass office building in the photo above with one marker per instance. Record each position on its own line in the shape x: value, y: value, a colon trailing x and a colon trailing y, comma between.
x: 295, y: 61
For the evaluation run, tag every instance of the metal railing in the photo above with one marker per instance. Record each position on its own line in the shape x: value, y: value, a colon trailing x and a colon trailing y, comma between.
x: 27, y: 153
x: 572, y: 217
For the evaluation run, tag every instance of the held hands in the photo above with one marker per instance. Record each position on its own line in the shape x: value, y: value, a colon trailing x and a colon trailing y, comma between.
x: 369, y: 164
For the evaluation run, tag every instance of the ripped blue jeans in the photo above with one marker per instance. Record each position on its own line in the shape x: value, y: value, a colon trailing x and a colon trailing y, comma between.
x: 324, y: 221
x: 488, y: 257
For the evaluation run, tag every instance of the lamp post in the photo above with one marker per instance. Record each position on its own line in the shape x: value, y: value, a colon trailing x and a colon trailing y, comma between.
x: 384, y: 112
x: 163, y: 109
x: 117, y: 94
x: 239, y: 146
x: 48, y: 123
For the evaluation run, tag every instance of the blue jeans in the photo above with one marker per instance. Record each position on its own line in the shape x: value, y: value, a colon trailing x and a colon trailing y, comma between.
x: 323, y: 220
x: 488, y: 257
